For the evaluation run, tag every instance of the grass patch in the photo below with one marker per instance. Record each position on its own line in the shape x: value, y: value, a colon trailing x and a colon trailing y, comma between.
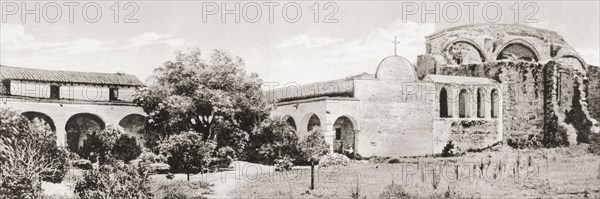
x: 501, y: 173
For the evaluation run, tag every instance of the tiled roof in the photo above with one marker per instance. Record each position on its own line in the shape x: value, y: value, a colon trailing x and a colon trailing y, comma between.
x: 458, y: 79
x: 344, y: 87
x: 39, y: 75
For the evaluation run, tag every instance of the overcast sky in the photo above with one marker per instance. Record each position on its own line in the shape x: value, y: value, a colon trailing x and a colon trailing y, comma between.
x: 281, y: 51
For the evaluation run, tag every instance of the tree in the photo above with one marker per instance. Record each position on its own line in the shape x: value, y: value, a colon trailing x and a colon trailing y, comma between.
x: 99, y: 145
x: 28, y: 152
x: 187, y: 152
x: 313, y: 147
x: 126, y: 148
x: 275, y: 139
x: 213, y: 97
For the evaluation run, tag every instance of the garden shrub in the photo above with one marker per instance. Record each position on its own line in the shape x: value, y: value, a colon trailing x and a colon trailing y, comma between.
x: 223, y: 158
x: 95, y: 149
x: 150, y: 157
x: 313, y: 147
x: 126, y: 148
x: 82, y: 164
x: 275, y: 139
x: 394, y: 191
x: 284, y: 164
x: 594, y: 144
x: 334, y: 159
x: 449, y: 150
x: 187, y: 152
x: 114, y: 181
x: 28, y: 152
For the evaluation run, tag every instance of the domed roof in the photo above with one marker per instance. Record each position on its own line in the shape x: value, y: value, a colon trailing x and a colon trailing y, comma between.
x: 396, y: 68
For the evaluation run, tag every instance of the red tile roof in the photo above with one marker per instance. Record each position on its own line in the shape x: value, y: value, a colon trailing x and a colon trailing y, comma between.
x: 39, y: 75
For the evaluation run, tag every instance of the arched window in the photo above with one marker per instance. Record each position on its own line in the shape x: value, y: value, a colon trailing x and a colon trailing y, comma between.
x: 480, y: 103
x: 463, y: 103
x: 517, y: 51
x: 494, y: 101
x: 444, y: 103
x: 313, y: 122
x: 289, y: 120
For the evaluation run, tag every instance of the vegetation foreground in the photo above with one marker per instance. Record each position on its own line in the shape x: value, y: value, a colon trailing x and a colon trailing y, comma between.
x: 570, y: 172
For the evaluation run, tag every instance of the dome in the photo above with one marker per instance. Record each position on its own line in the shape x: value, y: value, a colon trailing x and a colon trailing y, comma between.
x: 396, y: 68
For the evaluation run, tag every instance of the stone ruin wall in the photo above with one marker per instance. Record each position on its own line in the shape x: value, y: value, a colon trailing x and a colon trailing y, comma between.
x: 532, y: 113
x: 593, y: 90
x: 522, y: 93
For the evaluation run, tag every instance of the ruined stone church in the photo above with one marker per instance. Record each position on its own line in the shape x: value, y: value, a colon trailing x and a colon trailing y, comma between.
x: 475, y: 86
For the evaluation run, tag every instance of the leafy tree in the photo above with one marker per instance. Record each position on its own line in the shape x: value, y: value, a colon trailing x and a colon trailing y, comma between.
x: 312, y: 148
x: 99, y: 145
x: 275, y: 140
x: 126, y: 148
x: 95, y: 149
x: 213, y: 97
x: 187, y: 152
x: 28, y: 152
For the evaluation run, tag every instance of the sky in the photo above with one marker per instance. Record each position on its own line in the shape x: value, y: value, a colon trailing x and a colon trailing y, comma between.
x: 290, y: 48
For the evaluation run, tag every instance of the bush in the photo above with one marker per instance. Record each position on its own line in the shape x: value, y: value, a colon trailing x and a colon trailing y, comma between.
x: 82, y: 164
x: 449, y: 150
x: 394, y: 191
x: 274, y: 140
x: 313, y: 147
x: 224, y: 157
x: 284, y: 164
x: 95, y: 149
x: 149, y: 157
x: 187, y: 152
x: 28, y: 150
x: 594, y: 144
x: 114, y: 181
x: 126, y: 149
x: 334, y: 159
x: 56, y: 175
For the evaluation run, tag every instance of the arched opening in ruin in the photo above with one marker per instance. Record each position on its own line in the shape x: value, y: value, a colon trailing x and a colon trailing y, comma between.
x: 344, y: 139
x: 480, y: 103
x: 133, y: 124
x: 79, y: 126
x: 31, y: 115
x: 313, y: 123
x: 463, y: 103
x: 289, y: 120
x: 516, y: 52
x: 494, y: 103
x: 444, y: 103
x: 464, y: 52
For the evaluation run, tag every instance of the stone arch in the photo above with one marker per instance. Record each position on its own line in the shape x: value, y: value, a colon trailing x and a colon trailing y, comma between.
x: 41, y: 116
x: 133, y: 125
x: 464, y: 51
x: 464, y: 104
x: 444, y: 106
x: 518, y: 49
x: 345, y: 135
x: 573, y: 60
x: 495, y: 101
x: 312, y: 121
x: 289, y: 120
x: 79, y: 126
x: 480, y: 103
